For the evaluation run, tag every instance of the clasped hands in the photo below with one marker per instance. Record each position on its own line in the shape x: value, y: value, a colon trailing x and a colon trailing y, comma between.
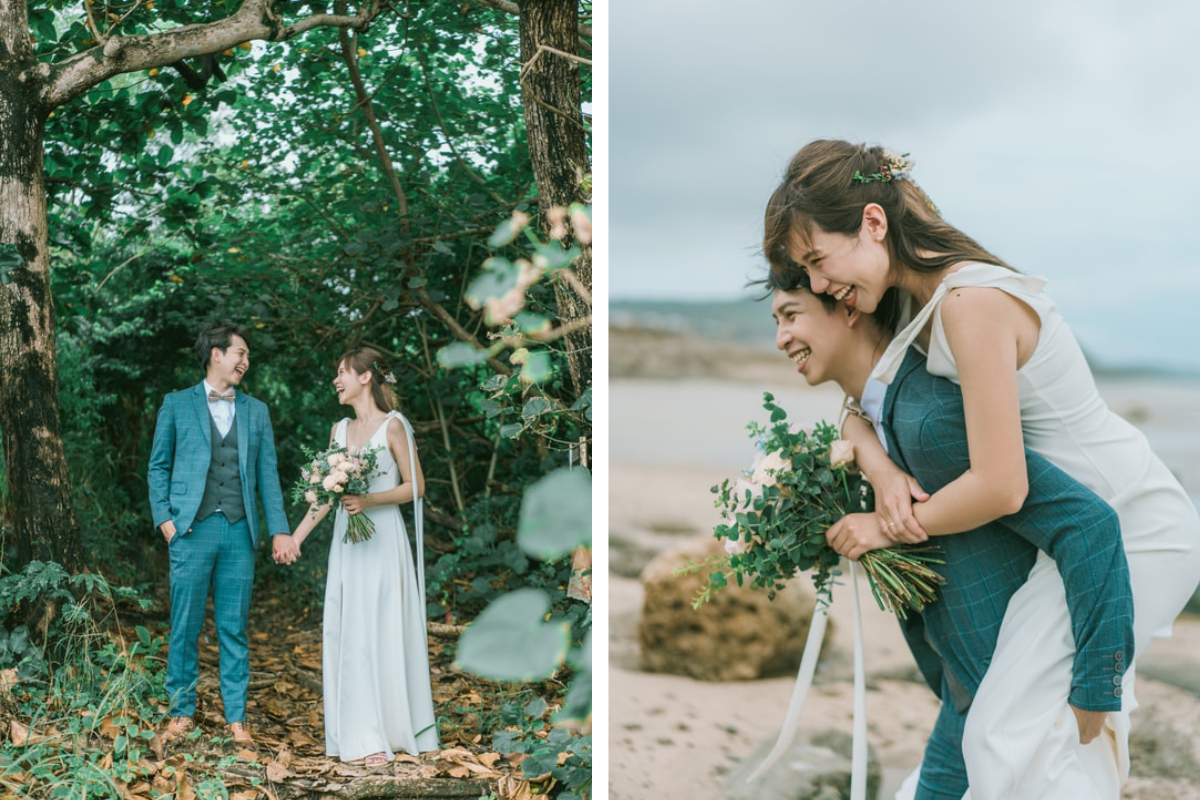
x: 285, y: 548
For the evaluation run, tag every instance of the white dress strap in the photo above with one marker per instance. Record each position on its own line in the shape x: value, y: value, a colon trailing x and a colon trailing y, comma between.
x: 339, y: 433
x: 418, y: 507
x: 986, y: 275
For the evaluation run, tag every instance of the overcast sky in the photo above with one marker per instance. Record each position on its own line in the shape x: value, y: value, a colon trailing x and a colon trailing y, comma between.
x: 1064, y: 135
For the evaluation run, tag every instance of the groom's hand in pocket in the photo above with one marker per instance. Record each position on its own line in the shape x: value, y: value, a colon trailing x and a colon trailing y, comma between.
x: 1091, y: 723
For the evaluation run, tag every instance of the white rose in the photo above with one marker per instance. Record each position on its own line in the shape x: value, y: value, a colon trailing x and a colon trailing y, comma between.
x: 329, y: 483
x: 734, y: 547
x: 311, y: 497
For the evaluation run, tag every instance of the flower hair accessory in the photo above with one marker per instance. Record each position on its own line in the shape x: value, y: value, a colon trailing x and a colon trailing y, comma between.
x: 894, y: 168
x: 388, y: 376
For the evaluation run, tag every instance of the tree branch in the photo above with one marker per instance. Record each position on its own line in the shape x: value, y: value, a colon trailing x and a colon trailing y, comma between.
x: 368, y: 109
x: 254, y: 20
x: 458, y: 330
x: 512, y: 8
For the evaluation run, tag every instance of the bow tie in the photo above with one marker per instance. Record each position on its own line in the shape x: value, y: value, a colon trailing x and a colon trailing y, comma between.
x: 214, y: 395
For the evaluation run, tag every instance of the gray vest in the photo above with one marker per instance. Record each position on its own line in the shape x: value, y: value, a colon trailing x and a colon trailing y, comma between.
x: 223, y: 490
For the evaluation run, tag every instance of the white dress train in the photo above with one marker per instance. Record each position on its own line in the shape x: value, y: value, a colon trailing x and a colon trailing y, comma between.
x: 1021, y: 738
x: 375, y: 658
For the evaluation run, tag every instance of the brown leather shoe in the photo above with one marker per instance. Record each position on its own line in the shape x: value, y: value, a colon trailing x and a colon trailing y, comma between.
x: 241, y: 735
x: 177, y: 728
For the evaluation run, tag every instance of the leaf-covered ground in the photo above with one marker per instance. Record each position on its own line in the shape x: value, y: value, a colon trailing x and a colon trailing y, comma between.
x: 284, y: 713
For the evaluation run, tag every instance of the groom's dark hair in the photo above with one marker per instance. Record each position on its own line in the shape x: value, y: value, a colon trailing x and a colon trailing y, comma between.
x: 795, y: 278
x: 219, y: 336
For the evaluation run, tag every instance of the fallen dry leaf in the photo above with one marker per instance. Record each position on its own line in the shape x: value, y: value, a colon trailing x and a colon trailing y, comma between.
x: 183, y: 787
x: 277, y: 773
x: 488, y: 759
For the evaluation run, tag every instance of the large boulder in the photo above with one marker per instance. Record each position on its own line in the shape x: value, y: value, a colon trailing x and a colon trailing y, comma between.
x: 739, y: 635
x: 815, y: 767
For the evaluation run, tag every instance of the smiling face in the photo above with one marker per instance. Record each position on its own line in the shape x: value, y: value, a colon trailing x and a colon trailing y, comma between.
x: 853, y: 268
x: 227, y: 367
x: 814, y: 337
x: 350, y: 384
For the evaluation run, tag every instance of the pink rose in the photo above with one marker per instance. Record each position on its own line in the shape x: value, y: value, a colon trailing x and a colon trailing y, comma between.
x: 841, y: 452
x: 311, y: 497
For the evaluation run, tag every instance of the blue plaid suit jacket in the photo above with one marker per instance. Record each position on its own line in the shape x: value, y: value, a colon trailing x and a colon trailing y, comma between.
x: 182, y: 451
x: 925, y: 426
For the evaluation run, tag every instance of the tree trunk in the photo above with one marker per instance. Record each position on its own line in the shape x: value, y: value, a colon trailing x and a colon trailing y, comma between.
x: 36, y: 467
x: 558, y: 147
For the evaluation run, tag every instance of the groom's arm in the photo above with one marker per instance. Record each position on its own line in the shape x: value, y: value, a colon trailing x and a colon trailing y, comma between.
x: 162, y: 456
x: 1073, y: 526
x: 267, y: 468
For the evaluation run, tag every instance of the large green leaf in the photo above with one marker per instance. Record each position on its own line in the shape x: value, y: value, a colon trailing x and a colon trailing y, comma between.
x: 556, y: 514
x: 510, y: 641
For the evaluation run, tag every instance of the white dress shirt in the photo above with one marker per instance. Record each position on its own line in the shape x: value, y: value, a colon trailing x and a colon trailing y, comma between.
x: 872, y: 403
x: 221, y: 410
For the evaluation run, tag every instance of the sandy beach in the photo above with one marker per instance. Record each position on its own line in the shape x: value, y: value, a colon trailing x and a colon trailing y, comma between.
x: 679, y: 406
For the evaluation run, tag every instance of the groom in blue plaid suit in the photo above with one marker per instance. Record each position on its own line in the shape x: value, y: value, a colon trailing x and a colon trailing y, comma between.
x: 213, y: 454
x: 953, y: 639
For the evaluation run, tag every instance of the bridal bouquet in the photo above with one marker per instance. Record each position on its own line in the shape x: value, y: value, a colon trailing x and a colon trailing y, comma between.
x: 780, y: 509
x: 332, y: 473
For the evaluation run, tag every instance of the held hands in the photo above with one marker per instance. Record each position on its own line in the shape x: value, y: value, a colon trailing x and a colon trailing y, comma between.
x: 894, y: 504
x: 854, y: 535
x: 1091, y: 723
x: 285, y: 549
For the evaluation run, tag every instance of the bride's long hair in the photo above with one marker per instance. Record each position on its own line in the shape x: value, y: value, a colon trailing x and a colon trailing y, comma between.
x: 368, y: 359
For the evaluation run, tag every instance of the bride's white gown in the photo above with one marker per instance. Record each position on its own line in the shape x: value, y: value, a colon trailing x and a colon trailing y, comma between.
x: 1021, y: 739
x: 375, y: 658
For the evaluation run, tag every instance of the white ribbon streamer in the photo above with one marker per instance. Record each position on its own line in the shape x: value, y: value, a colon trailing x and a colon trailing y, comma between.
x: 804, y: 679
x: 418, y: 508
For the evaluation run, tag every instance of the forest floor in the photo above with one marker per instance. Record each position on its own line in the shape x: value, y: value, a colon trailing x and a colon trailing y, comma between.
x: 285, y: 716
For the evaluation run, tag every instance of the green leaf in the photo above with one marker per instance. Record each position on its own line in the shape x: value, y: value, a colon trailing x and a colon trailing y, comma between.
x: 510, y: 641
x: 556, y: 514
x: 511, y: 430
x: 534, y: 407
x: 498, y: 278
x: 530, y: 323
x: 505, y: 232
x: 537, y: 368
x: 460, y: 354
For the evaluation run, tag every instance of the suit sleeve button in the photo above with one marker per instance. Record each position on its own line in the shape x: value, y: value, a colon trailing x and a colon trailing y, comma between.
x: 1116, y: 680
x: 1117, y: 692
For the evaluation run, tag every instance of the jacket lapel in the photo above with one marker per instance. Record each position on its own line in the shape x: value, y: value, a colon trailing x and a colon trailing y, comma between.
x: 912, y: 359
x: 203, y: 419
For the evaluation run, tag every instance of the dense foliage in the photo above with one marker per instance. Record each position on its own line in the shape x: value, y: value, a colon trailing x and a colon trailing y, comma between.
x: 337, y: 190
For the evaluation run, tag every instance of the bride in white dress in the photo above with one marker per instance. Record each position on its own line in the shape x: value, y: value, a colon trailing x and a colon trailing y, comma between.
x: 851, y: 217
x: 378, y: 699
